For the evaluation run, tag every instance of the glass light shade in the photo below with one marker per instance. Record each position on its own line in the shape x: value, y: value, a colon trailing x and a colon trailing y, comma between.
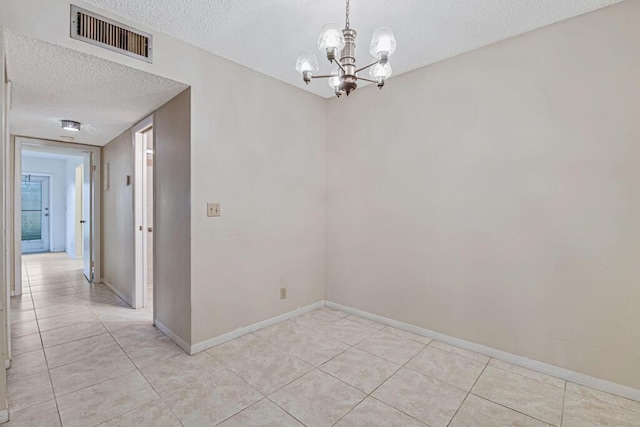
x: 382, y: 40
x: 307, y: 61
x: 331, y: 36
x: 334, y: 81
x: 379, y: 70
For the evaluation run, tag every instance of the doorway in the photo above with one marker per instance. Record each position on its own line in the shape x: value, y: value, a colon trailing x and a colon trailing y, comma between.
x: 56, y: 211
x: 143, y: 143
x: 35, y: 213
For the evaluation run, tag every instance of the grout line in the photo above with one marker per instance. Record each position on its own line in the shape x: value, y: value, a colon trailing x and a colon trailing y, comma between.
x: 564, y: 398
x: 468, y: 393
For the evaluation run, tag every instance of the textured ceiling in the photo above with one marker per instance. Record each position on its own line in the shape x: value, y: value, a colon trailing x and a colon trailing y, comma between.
x: 267, y: 35
x: 51, y: 83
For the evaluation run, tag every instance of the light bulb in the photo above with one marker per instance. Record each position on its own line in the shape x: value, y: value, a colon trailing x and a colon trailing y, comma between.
x: 382, y: 42
x: 380, y: 71
x: 331, y: 37
x: 307, y: 61
x: 334, y: 82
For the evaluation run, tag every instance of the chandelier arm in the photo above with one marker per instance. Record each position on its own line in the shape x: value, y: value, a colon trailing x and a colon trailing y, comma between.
x: 367, y: 80
x: 367, y: 66
x: 325, y: 76
x: 340, y: 65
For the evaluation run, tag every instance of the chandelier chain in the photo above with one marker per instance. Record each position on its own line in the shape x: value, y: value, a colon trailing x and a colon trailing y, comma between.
x: 347, y: 23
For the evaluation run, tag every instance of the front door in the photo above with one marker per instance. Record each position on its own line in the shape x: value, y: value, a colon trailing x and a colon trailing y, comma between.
x: 35, y: 213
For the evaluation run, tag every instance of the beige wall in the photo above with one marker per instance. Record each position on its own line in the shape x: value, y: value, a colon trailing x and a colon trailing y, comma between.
x: 117, y: 216
x: 258, y: 148
x: 172, y: 215
x: 495, y: 197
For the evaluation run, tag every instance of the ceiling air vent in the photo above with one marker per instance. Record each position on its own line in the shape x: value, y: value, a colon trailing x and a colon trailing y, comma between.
x: 100, y: 31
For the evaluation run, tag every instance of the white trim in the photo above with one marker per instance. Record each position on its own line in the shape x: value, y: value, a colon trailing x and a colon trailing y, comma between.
x: 116, y: 291
x: 4, y: 416
x: 204, y: 345
x: 545, y: 368
x: 7, y: 363
x: 174, y: 337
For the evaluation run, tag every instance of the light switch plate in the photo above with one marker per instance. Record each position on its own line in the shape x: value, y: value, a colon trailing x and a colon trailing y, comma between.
x: 213, y: 209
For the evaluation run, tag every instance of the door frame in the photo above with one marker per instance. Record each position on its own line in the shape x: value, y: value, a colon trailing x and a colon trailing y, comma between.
x: 140, y: 233
x: 51, y: 214
x: 15, y: 204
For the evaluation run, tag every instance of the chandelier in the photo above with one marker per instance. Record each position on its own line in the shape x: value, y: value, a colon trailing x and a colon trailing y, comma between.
x: 344, y: 76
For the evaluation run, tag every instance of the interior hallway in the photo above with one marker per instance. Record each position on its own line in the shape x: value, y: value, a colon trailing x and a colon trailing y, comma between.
x: 105, y: 363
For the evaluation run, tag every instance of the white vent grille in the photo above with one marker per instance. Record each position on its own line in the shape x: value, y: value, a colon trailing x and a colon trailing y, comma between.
x: 100, y: 31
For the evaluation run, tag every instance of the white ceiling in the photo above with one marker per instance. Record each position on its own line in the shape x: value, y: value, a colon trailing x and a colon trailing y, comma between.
x: 267, y: 35
x: 51, y: 83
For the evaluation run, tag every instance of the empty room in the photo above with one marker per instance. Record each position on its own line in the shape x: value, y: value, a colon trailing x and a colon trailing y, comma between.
x: 333, y: 213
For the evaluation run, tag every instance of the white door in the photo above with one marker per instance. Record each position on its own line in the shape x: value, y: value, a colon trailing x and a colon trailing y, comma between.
x: 87, y: 265
x: 35, y: 213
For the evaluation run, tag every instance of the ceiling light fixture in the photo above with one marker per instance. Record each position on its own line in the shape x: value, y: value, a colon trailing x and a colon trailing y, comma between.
x: 344, y: 78
x: 71, y: 125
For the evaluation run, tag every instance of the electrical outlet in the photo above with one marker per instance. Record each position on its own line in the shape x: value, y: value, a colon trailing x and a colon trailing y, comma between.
x: 283, y: 293
x: 213, y: 209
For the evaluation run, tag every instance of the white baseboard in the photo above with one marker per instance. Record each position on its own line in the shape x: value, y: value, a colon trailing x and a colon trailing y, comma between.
x: 116, y: 291
x: 545, y: 368
x: 174, y: 337
x: 4, y: 416
x: 204, y: 345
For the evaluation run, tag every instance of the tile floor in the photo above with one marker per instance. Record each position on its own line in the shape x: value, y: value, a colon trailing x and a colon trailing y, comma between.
x: 83, y: 358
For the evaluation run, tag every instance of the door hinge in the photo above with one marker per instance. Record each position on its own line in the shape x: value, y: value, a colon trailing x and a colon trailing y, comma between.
x: 94, y: 168
x: 92, y: 263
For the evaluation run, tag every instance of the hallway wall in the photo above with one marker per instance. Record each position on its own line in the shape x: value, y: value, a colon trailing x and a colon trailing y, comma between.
x: 117, y: 216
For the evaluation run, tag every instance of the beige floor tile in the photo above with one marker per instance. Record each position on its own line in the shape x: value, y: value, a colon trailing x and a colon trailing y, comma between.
x: 137, y: 334
x: 408, y: 335
x: 316, y: 350
x: 302, y: 342
x: 366, y: 322
x: 530, y: 397
x: 240, y: 349
x: 22, y: 316
x: 25, y: 344
x: 319, y: 318
x: 29, y: 390
x: 447, y: 367
x: 347, y: 331
x: 265, y: 413
x: 65, y: 320
x: 61, y: 309
x: 148, y: 352
x: 19, y: 305
x: 391, y: 347
x: 360, y: 369
x: 42, y: 415
x: 372, y: 412
x: 478, y: 412
x: 426, y: 399
x: 582, y: 410
x: 317, y: 399
x: 199, y: 390
x: 156, y: 414
x: 24, y: 328
x: 50, y: 286
x: 78, y: 350
x: 106, y: 400
x: 270, y: 370
x: 113, y: 325
x: 87, y: 372
x: 52, y: 292
x: 538, y: 376
x: 632, y: 405
x: 26, y: 363
x: 57, y: 300
x: 460, y: 351
x: 72, y: 333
